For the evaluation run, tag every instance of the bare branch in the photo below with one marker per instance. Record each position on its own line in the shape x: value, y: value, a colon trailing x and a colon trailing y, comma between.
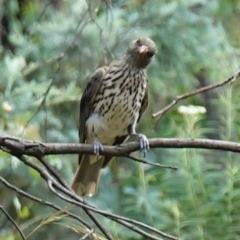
x: 13, y: 222
x: 20, y: 146
x: 53, y: 172
x: 150, y: 163
x: 160, y: 113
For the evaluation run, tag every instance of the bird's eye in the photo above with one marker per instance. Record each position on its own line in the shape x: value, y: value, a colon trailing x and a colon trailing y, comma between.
x: 138, y: 42
x: 150, y: 54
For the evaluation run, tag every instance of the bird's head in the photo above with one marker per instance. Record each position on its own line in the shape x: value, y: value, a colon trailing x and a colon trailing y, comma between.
x: 141, y: 51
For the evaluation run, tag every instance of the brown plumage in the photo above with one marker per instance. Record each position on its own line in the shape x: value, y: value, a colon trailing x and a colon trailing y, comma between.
x: 112, y: 104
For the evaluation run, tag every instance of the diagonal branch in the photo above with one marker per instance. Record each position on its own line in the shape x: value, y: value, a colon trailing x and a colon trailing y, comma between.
x: 11, y: 220
x: 53, y: 172
x: 162, y: 112
x: 44, y: 202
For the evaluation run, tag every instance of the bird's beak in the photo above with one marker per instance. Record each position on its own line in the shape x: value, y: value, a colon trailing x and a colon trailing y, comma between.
x: 143, y: 49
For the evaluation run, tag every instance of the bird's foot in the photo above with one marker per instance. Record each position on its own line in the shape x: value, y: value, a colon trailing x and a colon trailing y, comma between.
x: 144, y: 143
x: 97, y: 147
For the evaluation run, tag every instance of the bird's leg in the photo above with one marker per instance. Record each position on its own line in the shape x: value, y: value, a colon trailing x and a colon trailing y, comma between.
x: 143, y: 141
x: 94, y: 124
x: 97, y: 146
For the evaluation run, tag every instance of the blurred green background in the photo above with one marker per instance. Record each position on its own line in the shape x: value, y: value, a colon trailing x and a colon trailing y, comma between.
x: 48, y: 50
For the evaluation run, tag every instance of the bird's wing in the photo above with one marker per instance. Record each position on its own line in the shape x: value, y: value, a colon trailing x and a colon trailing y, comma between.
x: 144, y: 103
x: 87, y: 100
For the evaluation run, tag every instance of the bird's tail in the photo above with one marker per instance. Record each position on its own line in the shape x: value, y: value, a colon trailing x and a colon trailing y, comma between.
x: 87, y: 176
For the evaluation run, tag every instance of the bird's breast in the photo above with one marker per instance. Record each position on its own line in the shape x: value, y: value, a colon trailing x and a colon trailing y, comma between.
x: 117, y: 106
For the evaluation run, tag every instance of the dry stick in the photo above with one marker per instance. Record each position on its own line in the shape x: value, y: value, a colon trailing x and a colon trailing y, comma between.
x: 160, y: 113
x: 44, y: 202
x: 25, y: 147
x: 150, y: 163
x: 14, y: 223
x: 81, y: 203
x: 53, y: 172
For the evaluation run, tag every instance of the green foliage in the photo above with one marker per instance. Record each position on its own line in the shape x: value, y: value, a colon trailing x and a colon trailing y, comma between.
x: 48, y: 52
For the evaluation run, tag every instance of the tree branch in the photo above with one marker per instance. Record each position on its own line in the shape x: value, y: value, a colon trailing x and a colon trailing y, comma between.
x: 160, y: 113
x: 150, y: 163
x: 14, y: 223
x: 20, y: 146
x: 44, y: 202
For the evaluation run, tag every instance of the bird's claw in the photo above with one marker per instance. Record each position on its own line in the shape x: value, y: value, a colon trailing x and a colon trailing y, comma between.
x: 97, y: 147
x: 144, y: 143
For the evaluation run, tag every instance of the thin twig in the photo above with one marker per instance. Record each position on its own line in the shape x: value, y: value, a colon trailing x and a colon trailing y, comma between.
x: 98, y: 224
x: 44, y: 10
x: 53, y: 172
x: 162, y: 112
x: 151, y: 163
x: 13, y: 222
x: 42, y: 102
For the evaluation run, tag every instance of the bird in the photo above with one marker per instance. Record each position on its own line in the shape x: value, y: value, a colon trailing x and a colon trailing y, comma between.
x: 111, y: 105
